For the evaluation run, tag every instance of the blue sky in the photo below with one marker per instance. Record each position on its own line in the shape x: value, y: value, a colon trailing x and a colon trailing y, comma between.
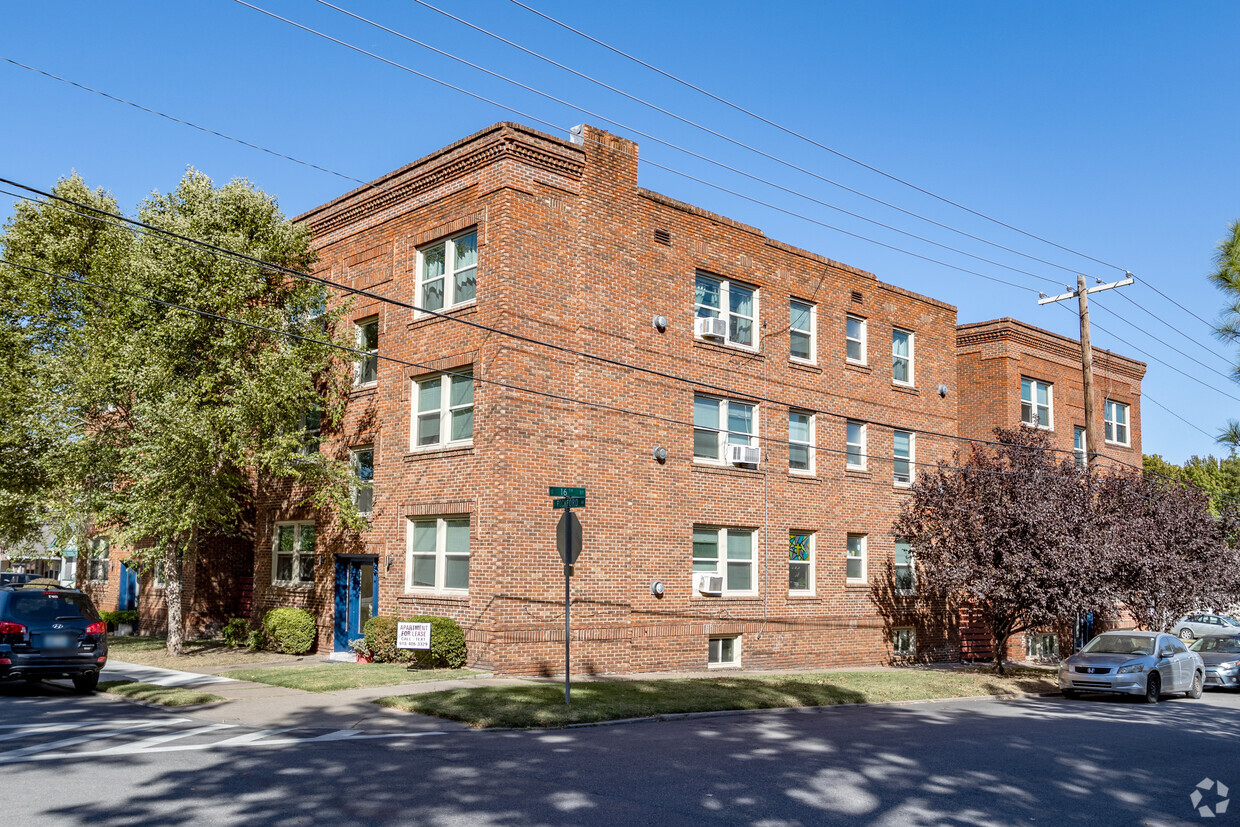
x: 1107, y: 128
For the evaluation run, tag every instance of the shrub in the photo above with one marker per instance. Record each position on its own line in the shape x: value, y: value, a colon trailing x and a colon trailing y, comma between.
x: 447, y: 644
x: 380, y: 634
x: 256, y: 641
x: 292, y: 631
x: 113, y: 619
x: 237, y: 631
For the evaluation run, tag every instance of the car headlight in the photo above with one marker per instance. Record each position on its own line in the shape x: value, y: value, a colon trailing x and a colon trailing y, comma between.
x: 1130, y: 668
x: 1231, y: 664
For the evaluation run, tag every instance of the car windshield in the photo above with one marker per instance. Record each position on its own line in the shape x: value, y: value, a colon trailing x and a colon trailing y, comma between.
x: 1224, y: 645
x: 36, y: 607
x: 1119, y: 645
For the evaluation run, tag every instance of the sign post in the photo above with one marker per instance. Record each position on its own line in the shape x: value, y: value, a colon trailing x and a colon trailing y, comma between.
x: 568, y: 544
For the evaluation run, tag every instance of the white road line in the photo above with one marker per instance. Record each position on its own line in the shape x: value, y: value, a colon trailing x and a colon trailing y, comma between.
x: 112, y: 722
x: 148, y: 743
x: 24, y: 752
x: 39, y: 729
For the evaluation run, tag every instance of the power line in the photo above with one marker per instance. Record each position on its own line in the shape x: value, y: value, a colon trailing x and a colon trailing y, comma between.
x: 1165, y: 344
x: 807, y: 139
x: 1170, y: 326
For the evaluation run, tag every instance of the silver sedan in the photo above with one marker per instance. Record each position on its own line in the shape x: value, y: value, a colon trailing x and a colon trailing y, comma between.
x: 1148, y: 664
x: 1205, y: 623
x: 1221, y: 655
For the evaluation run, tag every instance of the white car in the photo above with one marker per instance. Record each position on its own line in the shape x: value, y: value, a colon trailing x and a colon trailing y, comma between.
x: 1148, y: 664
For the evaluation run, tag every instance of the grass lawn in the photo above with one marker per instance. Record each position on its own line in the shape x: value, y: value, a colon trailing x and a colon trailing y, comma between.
x: 164, y: 695
x: 542, y: 705
x: 151, y: 651
x: 331, y: 677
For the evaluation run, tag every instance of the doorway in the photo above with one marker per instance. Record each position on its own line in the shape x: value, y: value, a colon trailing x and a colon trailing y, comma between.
x: 357, y: 599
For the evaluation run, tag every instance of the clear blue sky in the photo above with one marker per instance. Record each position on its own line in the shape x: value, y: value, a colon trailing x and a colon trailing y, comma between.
x: 1108, y: 128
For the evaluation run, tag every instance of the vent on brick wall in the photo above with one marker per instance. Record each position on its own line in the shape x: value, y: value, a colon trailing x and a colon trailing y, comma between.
x: 856, y: 296
x: 663, y: 237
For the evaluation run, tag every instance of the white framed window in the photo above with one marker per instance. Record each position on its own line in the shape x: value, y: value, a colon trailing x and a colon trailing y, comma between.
x: 1036, y: 403
x: 1041, y: 646
x: 802, y: 325
x: 903, y: 641
x: 448, y: 272
x: 311, y: 426
x: 100, y: 549
x: 800, y: 562
x: 363, y: 489
x: 801, y: 442
x: 854, y: 455
x: 728, y: 552
x: 438, y: 555
x: 1079, y: 451
x: 854, y: 559
x: 366, y: 366
x: 718, y: 298
x: 443, y: 410
x: 1115, y: 422
x: 724, y: 652
x: 901, y: 356
x: 157, y: 575
x: 292, y: 554
x: 905, y: 571
x: 904, y: 463
x: 718, y: 423
x: 854, y: 339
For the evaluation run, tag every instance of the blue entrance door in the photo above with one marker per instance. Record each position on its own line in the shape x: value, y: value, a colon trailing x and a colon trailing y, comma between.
x: 357, y: 599
x: 128, y: 598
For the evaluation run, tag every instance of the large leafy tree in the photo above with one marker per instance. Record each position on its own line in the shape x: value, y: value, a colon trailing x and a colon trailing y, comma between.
x: 160, y: 420
x: 1226, y: 277
x: 1008, y: 530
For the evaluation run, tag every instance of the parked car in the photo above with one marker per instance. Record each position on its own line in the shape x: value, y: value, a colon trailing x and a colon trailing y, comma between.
x: 50, y: 631
x: 1148, y: 664
x: 1205, y: 623
x: 1221, y: 655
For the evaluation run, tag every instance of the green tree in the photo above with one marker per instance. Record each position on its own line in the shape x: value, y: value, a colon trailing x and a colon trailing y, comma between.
x: 1226, y: 277
x: 162, y: 420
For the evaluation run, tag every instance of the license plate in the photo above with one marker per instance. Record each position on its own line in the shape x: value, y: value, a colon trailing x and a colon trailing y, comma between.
x: 57, y: 641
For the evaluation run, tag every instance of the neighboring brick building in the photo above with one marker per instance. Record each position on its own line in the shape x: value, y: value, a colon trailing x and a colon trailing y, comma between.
x: 839, y: 383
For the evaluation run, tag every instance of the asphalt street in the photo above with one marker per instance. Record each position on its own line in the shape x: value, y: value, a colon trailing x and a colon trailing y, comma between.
x: 98, y: 760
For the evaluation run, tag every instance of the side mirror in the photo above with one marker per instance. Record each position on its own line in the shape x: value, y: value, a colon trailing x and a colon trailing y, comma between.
x: 1166, y: 652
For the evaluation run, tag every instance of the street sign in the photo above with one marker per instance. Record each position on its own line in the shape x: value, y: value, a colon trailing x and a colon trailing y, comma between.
x: 569, y: 502
x: 561, y: 491
x: 413, y: 635
x: 568, y: 538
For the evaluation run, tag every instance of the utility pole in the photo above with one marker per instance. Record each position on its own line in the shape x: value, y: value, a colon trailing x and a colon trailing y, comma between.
x: 1087, y: 357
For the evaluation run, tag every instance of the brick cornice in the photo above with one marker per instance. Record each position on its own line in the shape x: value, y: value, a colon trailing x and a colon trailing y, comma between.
x: 1036, y: 340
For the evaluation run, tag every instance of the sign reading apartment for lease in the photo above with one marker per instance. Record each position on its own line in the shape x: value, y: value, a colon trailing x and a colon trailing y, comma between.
x: 413, y: 635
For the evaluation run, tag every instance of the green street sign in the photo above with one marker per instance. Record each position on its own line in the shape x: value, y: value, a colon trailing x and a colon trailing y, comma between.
x: 561, y: 491
x: 570, y: 502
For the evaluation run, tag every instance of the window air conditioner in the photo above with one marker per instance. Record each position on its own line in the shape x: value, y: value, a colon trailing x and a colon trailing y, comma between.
x: 744, y: 455
x: 710, y: 328
x: 709, y: 583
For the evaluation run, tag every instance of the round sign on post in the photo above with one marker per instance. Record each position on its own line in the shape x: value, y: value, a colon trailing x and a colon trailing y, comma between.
x: 568, y: 537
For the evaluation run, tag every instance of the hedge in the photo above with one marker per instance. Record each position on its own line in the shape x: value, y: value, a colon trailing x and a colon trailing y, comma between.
x: 290, y: 631
x: 237, y: 631
x: 448, y: 650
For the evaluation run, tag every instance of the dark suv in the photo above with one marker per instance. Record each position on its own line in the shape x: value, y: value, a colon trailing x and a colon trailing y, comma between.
x: 48, y: 631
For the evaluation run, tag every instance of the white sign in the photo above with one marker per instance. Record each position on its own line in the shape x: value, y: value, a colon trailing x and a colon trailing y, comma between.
x: 413, y: 635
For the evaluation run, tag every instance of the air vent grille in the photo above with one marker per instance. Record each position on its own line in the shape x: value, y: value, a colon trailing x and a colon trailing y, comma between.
x: 663, y: 237
x: 856, y: 296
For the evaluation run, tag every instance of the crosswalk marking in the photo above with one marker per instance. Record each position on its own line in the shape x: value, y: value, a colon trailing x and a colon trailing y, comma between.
x: 18, y: 754
x: 147, y: 743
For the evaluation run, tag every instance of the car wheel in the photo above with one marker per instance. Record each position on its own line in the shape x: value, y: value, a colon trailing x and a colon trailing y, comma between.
x: 1198, y: 686
x: 1153, y: 689
x: 1186, y: 634
x: 1071, y: 694
x: 86, y: 683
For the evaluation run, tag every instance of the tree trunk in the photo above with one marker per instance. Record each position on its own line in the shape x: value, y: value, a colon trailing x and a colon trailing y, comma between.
x: 172, y: 596
x: 1000, y: 631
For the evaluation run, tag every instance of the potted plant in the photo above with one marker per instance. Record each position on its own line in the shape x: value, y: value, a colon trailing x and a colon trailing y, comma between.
x: 359, y: 647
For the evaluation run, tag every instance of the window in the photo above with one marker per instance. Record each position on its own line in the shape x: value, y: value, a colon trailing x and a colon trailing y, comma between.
x: 100, y: 550
x: 854, y: 559
x: 724, y: 651
x: 1115, y: 422
x: 722, y: 299
x: 293, y: 553
x: 366, y: 368
x: 438, y: 555
x: 721, y: 422
x: 905, y: 574
x: 443, y: 410
x: 854, y: 456
x: 801, y: 331
x: 311, y: 426
x: 800, y: 563
x: 800, y: 442
x: 363, y: 462
x: 854, y: 335
x: 903, y: 463
x: 448, y: 272
x: 1035, y: 404
x: 903, y: 641
x: 1078, y: 447
x: 1041, y: 646
x: 157, y: 575
x: 736, y: 562
x: 901, y: 356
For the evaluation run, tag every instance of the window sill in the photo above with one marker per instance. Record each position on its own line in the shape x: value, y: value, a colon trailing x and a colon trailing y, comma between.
x: 467, y: 309
x: 808, y: 367
x: 909, y: 389
x: 856, y: 584
x: 725, y: 347
x: 285, y: 584
x: 1118, y: 444
x: 368, y: 389
x: 812, y: 479
x: 859, y: 473
x: 902, y: 488
x: 905, y: 593
x: 804, y: 597
x: 858, y: 367
x: 723, y: 666
x: 437, y: 452
x: 726, y: 470
x: 415, y: 594
x: 751, y: 597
